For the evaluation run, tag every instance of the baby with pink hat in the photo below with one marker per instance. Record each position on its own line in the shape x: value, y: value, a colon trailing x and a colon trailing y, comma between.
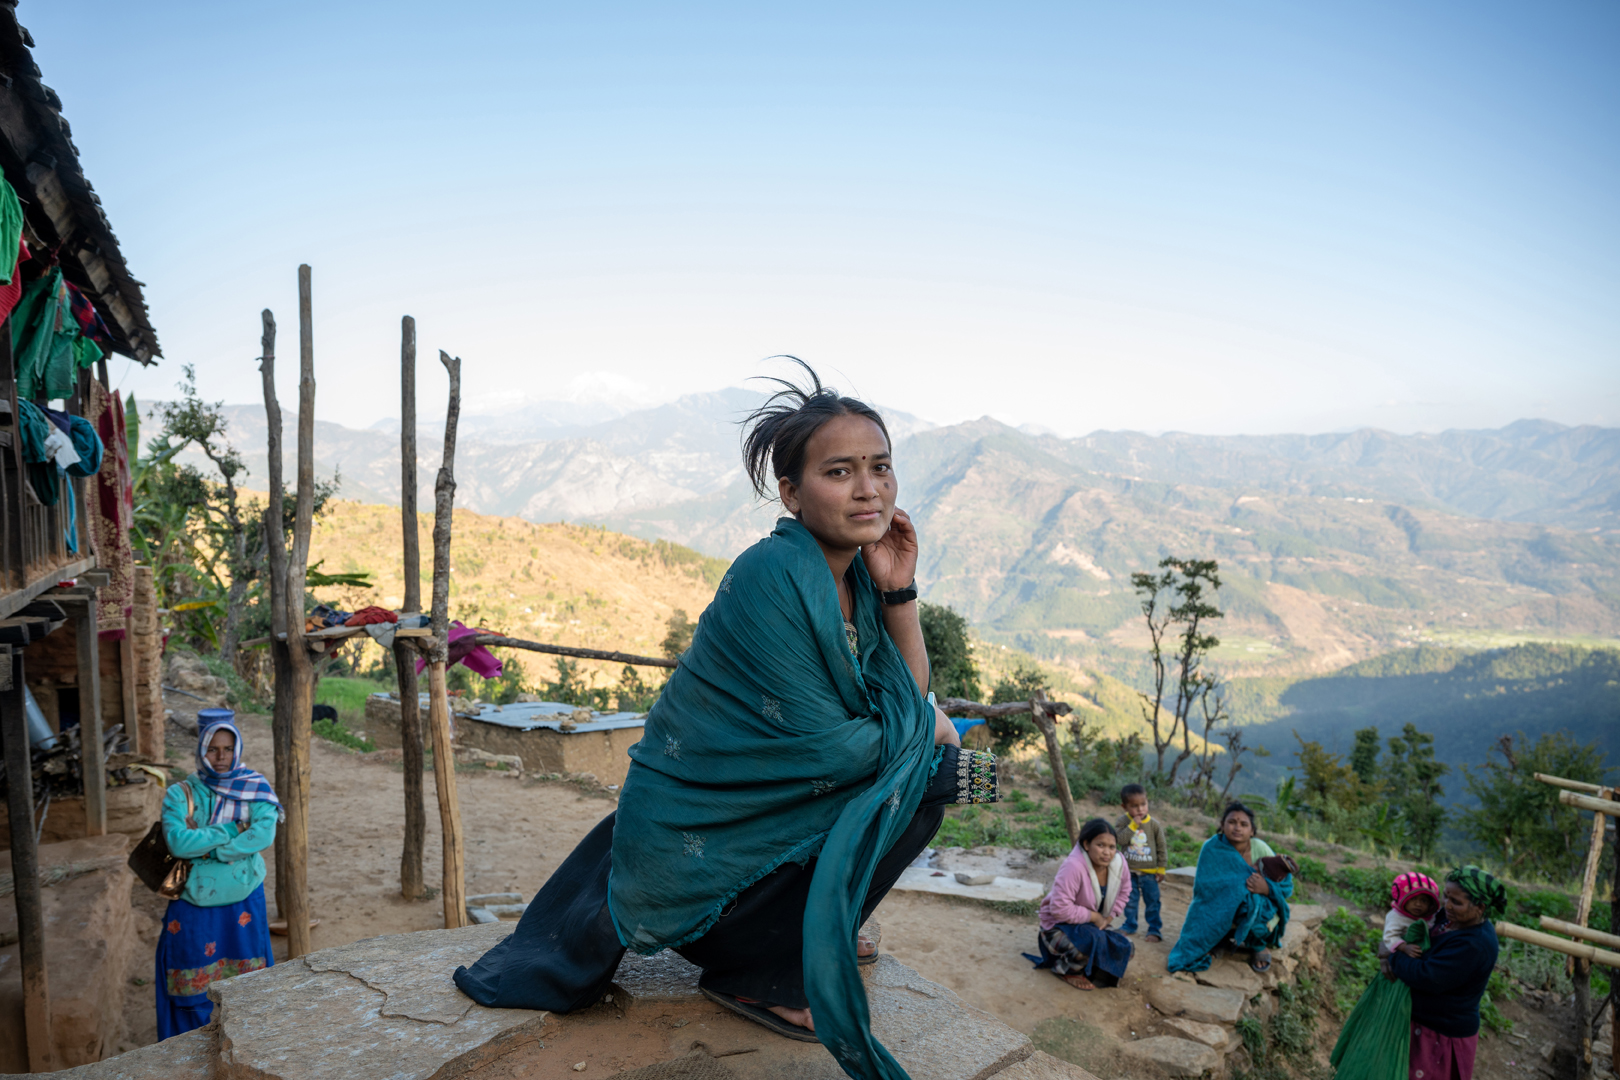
x: 1413, y: 897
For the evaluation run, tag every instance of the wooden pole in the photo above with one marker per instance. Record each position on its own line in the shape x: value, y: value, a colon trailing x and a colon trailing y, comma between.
x: 275, y: 545
x: 1573, y: 785
x: 92, y: 754
x: 1587, y: 802
x: 1558, y: 944
x: 588, y: 654
x: 411, y: 884
x: 25, y: 865
x: 444, y: 760
x: 1038, y: 707
x: 1585, y: 933
x: 296, y: 800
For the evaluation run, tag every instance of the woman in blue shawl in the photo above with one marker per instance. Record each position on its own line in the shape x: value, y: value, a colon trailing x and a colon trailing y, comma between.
x: 1240, y: 896
x: 219, y: 819
x: 788, y: 773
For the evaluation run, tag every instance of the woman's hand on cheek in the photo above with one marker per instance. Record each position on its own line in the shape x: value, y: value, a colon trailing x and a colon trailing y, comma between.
x: 892, y: 561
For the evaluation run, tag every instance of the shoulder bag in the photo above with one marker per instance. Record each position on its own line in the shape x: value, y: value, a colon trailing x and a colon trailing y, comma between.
x: 156, y: 866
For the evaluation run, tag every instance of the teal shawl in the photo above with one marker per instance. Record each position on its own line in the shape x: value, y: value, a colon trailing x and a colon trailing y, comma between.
x: 1223, y: 907
x: 773, y: 741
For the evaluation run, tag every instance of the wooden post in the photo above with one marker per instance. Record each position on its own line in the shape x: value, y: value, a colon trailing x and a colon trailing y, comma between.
x: 1582, y: 949
x: 1610, y: 807
x: 1060, y: 774
x: 444, y: 760
x: 411, y: 884
x: 300, y: 685
x: 25, y: 864
x: 275, y: 546
x: 92, y: 754
x: 1583, y: 933
x: 1581, y: 970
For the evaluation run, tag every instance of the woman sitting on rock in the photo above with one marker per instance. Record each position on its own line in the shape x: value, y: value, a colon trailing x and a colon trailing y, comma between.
x: 1448, y: 978
x: 1090, y: 891
x: 1240, y: 896
x: 791, y: 769
x: 219, y: 819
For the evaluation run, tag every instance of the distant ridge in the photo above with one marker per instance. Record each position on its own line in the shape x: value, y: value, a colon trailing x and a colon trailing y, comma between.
x: 1333, y: 547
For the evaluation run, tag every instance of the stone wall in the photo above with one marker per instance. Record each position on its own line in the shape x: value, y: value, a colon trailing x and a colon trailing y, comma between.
x: 131, y: 809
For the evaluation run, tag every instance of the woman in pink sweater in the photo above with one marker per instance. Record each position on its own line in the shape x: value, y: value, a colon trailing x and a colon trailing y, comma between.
x: 1090, y: 891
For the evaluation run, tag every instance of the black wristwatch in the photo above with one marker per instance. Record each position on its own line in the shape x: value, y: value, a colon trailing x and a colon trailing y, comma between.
x: 900, y: 596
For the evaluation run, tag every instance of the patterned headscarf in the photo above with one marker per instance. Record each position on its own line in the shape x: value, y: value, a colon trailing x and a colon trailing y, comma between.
x: 1482, y: 889
x: 1411, y: 885
x: 239, y: 787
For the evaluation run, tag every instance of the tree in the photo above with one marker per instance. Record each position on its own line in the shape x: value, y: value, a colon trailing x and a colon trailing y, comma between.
x: 1413, y: 789
x: 1016, y: 729
x: 1175, y: 606
x: 1364, y: 756
x: 679, y: 637
x: 1327, y: 783
x: 952, y: 671
x: 1521, y: 818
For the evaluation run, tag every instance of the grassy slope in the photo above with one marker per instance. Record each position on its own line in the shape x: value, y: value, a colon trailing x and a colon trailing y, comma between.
x: 562, y: 584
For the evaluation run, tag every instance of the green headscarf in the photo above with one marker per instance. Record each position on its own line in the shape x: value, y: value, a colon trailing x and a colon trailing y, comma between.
x: 1482, y: 889
x: 773, y: 741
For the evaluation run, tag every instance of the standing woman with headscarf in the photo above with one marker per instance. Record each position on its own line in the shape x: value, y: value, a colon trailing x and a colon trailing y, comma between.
x: 1448, y: 979
x: 219, y: 819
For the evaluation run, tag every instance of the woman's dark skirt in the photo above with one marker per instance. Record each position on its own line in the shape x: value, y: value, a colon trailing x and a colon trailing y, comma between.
x: 1085, y: 948
x: 564, y: 952
x: 202, y: 945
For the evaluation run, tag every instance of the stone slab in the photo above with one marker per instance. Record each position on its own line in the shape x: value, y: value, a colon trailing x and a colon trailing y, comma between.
x: 661, y: 979
x: 1309, y: 916
x: 1210, y: 1004
x: 1175, y: 1057
x: 1295, y: 935
x: 1232, y: 975
x: 383, y: 1008
x: 1043, y: 1066
x: 185, y: 1057
x: 1212, y: 1035
x: 921, y: 879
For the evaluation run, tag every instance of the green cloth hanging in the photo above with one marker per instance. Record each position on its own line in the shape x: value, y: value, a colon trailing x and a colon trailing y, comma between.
x: 11, y: 223
x: 42, y: 472
x: 1375, y: 1042
x: 43, y: 334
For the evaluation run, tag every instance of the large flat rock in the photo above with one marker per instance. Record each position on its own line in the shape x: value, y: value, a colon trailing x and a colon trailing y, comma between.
x: 185, y: 1057
x: 922, y: 879
x: 1232, y: 975
x: 383, y: 1008
x: 1210, y: 1004
x: 1176, y: 1057
x: 1209, y: 1034
x: 1309, y: 916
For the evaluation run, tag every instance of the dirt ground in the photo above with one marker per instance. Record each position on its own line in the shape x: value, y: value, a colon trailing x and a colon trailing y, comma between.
x: 519, y: 830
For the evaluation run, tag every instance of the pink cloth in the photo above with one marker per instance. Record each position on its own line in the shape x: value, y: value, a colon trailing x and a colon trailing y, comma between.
x: 1441, y: 1057
x: 464, y: 651
x: 1071, y: 899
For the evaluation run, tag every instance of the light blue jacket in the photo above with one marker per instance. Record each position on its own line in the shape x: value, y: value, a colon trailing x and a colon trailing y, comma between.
x: 225, y: 863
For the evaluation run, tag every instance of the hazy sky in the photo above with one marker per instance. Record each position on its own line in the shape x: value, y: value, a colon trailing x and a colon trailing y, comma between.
x: 1231, y: 217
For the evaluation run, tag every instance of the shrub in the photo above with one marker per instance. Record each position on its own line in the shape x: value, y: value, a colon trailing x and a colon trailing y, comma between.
x: 333, y: 731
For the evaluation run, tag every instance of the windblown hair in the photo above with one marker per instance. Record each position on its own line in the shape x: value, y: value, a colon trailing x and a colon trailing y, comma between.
x: 1095, y: 828
x: 776, y: 434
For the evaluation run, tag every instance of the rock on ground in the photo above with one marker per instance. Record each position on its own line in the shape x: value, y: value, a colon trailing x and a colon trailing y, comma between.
x: 1209, y: 1004
x: 1212, y: 1035
x: 1177, y: 1057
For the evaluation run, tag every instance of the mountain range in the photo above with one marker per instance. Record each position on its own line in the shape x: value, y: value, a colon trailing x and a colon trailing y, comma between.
x: 1333, y: 548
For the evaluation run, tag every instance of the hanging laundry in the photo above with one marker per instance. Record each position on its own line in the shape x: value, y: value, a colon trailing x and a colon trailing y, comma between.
x: 109, y: 514
x: 11, y: 291
x: 11, y: 226
x: 42, y: 335
x: 464, y: 649
x: 368, y: 615
x: 87, y: 444
x: 37, y: 430
x: 86, y: 315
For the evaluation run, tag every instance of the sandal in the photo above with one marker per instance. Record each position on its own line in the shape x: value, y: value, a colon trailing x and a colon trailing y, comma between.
x: 1078, y: 981
x: 871, y: 934
x: 1153, y: 937
x: 759, y: 1014
x: 1260, y: 960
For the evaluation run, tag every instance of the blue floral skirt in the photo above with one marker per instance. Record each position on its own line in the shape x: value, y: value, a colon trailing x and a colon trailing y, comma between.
x: 202, y: 945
